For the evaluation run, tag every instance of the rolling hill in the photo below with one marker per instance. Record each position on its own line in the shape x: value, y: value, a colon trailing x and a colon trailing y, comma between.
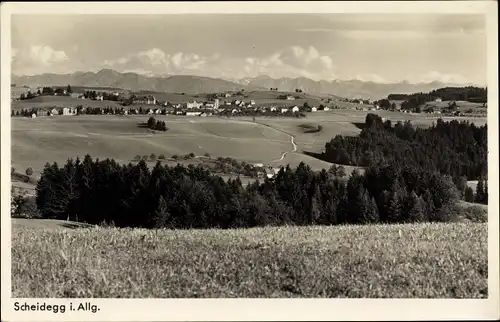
x: 349, y: 89
x: 198, y: 84
x: 132, y: 81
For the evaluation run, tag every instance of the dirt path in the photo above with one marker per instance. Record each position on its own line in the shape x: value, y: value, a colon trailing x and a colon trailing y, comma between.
x: 292, y: 138
x: 285, y: 153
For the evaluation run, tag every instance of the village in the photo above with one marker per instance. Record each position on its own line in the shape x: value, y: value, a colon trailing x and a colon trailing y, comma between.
x: 222, y: 104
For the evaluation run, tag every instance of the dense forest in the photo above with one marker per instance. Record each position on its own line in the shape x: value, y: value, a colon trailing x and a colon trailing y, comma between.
x: 454, y: 148
x: 132, y: 195
x: 469, y: 93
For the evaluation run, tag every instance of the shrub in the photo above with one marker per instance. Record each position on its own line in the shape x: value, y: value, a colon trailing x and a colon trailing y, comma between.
x: 450, y: 213
x: 477, y: 214
x: 207, y: 155
x: 25, y: 207
x: 152, y: 157
x: 145, y: 157
x: 191, y: 155
x: 341, y: 172
x: 137, y: 158
x: 161, y: 157
x: 175, y: 157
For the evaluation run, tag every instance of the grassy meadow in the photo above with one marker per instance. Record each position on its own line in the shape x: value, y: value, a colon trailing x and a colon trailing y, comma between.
x: 59, y: 102
x: 36, y: 141
x: 396, y: 261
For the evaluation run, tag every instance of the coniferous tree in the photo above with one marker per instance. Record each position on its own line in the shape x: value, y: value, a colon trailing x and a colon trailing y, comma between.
x: 469, y: 194
x: 480, y: 191
x: 162, y: 214
x: 395, y: 207
x: 416, y: 208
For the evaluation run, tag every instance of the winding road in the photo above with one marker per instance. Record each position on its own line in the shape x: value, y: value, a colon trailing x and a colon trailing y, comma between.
x: 285, y: 153
x: 292, y: 138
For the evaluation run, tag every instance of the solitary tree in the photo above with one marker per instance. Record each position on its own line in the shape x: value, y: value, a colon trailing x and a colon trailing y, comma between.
x: 29, y: 172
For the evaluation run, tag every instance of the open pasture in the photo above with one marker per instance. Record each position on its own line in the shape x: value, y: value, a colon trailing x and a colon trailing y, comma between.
x: 340, y: 122
x: 59, y: 102
x: 36, y: 141
x: 388, y: 261
x: 267, y: 140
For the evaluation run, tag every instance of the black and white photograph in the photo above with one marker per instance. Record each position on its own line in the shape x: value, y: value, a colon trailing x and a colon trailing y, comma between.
x: 314, y: 154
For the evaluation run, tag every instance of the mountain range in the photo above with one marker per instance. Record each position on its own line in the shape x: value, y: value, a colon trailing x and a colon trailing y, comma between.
x: 198, y: 84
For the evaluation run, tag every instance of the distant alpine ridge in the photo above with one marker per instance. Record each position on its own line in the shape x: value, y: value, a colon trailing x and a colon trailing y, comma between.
x: 198, y: 84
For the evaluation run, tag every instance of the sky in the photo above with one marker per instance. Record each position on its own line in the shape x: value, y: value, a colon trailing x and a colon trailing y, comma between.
x: 370, y: 47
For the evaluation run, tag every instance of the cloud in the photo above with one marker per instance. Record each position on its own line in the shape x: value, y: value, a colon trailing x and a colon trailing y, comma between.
x: 371, y: 78
x: 156, y: 60
x: 42, y: 55
x: 294, y: 61
x: 441, y: 77
x: 37, y: 58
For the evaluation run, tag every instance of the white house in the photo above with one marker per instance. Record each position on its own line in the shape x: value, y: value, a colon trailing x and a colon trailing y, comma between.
x: 314, y: 109
x: 158, y: 111
x: 295, y: 109
x: 284, y: 110
x: 273, y: 109
x: 216, y: 103
x: 252, y: 102
x: 69, y: 111
x: 271, y: 172
x: 193, y: 105
x: 290, y: 98
x: 327, y: 108
x: 439, y: 99
x: 193, y: 113
x: 33, y: 116
x: 227, y: 95
x: 54, y: 111
x: 234, y: 111
x: 150, y: 112
x: 99, y: 98
x: 179, y: 113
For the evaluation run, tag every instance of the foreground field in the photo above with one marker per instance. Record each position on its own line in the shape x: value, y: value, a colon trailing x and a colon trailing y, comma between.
x: 423, y: 261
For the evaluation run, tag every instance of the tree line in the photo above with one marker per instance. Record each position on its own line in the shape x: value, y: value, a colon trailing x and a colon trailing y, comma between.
x: 133, y: 195
x: 454, y: 148
x: 80, y: 110
x: 468, y: 93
